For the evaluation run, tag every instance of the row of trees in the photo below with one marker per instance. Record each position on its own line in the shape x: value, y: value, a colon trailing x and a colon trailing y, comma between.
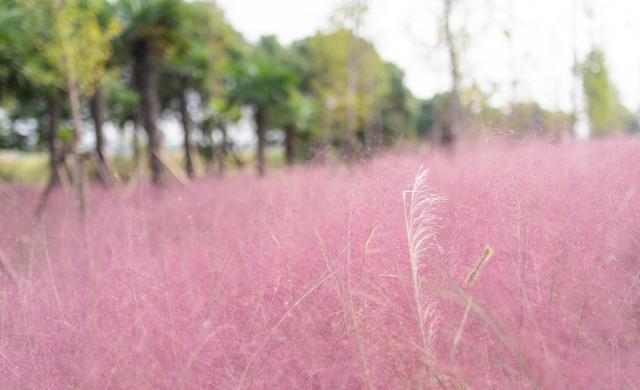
x: 128, y: 61
x: 72, y: 65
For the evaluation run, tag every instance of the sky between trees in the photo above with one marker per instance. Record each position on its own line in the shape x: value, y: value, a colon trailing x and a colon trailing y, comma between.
x: 541, y: 47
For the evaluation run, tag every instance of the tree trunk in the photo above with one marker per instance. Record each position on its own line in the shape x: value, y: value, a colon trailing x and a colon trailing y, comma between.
x: 352, y: 80
x: 374, y: 133
x: 97, y: 106
x: 53, y: 110
x: 261, y: 129
x: 135, y: 139
x: 77, y: 177
x: 575, y: 88
x: 55, y: 155
x: 187, y: 127
x: 290, y: 143
x: 372, y: 138
x: 449, y: 128
x: 211, y: 153
x: 223, y: 152
x: 145, y: 75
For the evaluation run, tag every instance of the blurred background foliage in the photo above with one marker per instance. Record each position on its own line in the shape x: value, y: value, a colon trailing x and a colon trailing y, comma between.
x: 140, y: 70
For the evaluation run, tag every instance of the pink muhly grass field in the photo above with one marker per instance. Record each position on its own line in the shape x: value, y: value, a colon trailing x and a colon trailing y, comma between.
x: 527, y: 276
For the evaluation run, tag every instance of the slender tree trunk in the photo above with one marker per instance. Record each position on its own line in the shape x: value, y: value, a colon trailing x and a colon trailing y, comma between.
x: 207, y: 134
x: 449, y: 128
x: 135, y: 139
x: 53, y: 110
x: 352, y: 80
x: 372, y: 140
x: 320, y: 154
x: 290, y: 143
x: 97, y: 106
x: 357, y: 10
x: 224, y: 144
x: 575, y: 88
x: 55, y: 155
x: 261, y: 129
x: 77, y: 180
x: 145, y: 74
x: 98, y: 114
x: 187, y: 127
x: 374, y: 133
x: 215, y: 151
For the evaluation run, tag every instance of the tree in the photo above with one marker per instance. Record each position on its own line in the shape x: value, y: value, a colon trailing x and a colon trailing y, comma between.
x: 16, y: 53
x: 180, y: 76
x: 352, y: 14
x: 432, y: 114
x: 398, y: 108
x: 324, y: 64
x: 106, y: 18
x: 450, y: 125
x: 604, y: 110
x: 68, y: 51
x: 195, y: 72
x: 184, y: 71
x: 219, y: 113
x: 266, y: 85
x: 12, y: 43
x: 292, y: 115
x: 152, y: 29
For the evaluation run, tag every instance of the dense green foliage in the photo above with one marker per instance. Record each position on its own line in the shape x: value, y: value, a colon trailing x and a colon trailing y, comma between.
x: 604, y: 109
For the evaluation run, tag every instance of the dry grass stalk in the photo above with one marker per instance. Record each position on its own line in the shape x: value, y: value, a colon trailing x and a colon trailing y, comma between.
x: 486, y: 255
x: 419, y: 212
x: 347, y: 305
x: 473, y: 275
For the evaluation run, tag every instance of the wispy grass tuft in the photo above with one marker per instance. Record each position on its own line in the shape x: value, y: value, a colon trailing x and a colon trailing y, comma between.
x: 419, y: 204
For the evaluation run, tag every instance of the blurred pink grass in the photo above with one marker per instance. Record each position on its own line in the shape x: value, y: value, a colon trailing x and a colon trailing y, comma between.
x: 304, y: 279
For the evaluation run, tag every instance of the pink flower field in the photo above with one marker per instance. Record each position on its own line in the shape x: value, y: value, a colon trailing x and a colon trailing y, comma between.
x: 502, y: 267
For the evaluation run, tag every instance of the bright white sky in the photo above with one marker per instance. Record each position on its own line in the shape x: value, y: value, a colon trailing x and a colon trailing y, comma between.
x: 539, y: 56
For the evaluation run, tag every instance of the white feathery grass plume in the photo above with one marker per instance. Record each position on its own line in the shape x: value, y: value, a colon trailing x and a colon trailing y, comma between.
x: 420, y: 203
